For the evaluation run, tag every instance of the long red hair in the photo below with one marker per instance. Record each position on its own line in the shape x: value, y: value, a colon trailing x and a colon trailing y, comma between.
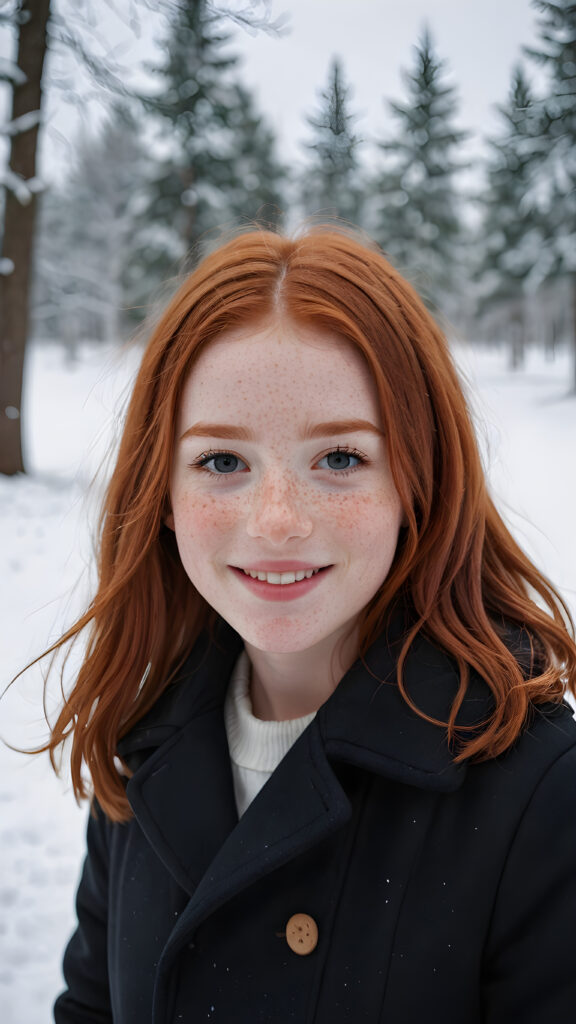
x: 457, y: 563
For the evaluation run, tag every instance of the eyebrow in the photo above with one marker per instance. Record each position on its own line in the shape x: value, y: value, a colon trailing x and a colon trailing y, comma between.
x: 235, y: 433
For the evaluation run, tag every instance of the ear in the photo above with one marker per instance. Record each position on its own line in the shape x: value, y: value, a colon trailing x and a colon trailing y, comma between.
x: 169, y: 520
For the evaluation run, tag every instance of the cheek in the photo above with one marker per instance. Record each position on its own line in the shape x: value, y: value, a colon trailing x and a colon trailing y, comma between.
x: 202, y: 519
x: 366, y: 519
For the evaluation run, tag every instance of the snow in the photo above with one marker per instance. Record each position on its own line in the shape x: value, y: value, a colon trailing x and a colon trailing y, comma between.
x: 10, y: 72
x: 23, y: 123
x: 527, y: 428
x: 6, y: 266
x: 23, y: 188
x: 44, y: 548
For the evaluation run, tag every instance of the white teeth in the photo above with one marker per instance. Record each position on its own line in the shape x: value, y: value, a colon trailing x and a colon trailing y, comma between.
x: 281, y: 578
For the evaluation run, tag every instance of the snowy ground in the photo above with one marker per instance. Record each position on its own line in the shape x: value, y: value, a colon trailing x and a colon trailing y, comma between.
x: 528, y: 433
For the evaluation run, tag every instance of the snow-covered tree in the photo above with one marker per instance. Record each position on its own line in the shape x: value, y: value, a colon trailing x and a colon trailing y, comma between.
x: 555, y: 191
x: 255, y: 192
x: 88, y: 246
x: 512, y: 230
x: 69, y: 30
x: 417, y: 216
x: 331, y: 178
x: 219, y: 162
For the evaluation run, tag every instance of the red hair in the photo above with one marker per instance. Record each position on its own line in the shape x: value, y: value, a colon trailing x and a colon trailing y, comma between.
x: 456, y: 562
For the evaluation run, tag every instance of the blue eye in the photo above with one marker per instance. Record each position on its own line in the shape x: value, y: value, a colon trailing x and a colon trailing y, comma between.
x: 340, y: 460
x: 221, y: 463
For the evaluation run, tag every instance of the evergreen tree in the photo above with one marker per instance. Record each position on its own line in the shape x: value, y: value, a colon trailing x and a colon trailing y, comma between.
x: 555, y: 194
x: 557, y: 53
x: 417, y: 216
x: 555, y: 190
x: 210, y: 133
x: 331, y: 180
x: 511, y: 234
x: 256, y: 192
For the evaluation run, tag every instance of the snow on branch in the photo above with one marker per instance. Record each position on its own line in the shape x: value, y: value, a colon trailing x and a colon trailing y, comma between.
x: 6, y: 266
x: 13, y: 13
x: 10, y: 72
x: 23, y: 189
x: 254, y: 16
x: 105, y: 71
x: 21, y: 124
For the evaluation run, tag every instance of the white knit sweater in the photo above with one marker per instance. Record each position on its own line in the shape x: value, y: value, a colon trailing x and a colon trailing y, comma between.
x: 256, y: 747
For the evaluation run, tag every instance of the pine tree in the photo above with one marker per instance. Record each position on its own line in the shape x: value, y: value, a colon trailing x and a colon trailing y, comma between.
x: 555, y: 196
x: 331, y: 181
x: 206, y: 119
x: 417, y: 215
x: 512, y: 232
x: 256, y: 193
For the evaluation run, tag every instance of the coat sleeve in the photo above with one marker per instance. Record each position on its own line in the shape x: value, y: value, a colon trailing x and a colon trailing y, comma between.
x: 529, y: 970
x: 86, y: 999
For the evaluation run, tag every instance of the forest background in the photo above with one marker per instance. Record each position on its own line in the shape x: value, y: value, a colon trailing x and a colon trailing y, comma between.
x: 176, y: 150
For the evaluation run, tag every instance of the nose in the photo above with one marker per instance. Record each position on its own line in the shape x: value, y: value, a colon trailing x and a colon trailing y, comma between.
x: 278, y: 511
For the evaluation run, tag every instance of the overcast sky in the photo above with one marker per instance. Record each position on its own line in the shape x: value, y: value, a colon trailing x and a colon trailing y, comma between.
x: 480, y: 41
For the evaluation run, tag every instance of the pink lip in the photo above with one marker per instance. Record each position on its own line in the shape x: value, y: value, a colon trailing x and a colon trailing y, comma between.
x: 279, y: 566
x: 277, y: 592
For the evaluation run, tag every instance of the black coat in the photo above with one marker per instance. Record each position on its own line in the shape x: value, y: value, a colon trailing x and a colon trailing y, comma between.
x: 441, y: 892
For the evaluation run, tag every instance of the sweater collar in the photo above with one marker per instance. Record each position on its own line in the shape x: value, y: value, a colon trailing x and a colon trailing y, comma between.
x: 256, y: 744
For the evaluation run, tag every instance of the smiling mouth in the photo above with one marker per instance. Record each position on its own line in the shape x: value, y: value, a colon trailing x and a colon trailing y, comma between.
x: 283, y: 579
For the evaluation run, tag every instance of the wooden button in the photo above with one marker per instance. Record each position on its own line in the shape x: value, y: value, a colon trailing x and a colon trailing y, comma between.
x: 302, y: 934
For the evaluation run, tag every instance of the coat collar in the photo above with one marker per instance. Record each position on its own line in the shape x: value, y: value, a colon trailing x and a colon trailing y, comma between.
x: 198, y: 688
x: 366, y: 722
x: 182, y: 790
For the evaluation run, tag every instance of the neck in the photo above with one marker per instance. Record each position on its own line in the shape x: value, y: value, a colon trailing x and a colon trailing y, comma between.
x: 290, y: 685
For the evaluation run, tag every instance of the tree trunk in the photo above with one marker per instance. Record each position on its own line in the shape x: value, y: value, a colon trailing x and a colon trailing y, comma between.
x: 573, y: 332
x: 517, y: 339
x: 18, y: 240
x: 551, y: 329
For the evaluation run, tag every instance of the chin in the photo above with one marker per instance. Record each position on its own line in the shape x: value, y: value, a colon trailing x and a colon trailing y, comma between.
x: 280, y: 645
x: 283, y: 637
x: 278, y: 639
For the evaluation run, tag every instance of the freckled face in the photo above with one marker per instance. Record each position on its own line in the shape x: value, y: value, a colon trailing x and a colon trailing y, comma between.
x: 283, y: 505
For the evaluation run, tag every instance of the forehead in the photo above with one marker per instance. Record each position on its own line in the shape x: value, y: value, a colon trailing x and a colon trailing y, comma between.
x: 280, y: 367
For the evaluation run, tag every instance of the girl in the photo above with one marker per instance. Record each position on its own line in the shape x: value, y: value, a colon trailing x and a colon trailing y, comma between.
x: 322, y: 699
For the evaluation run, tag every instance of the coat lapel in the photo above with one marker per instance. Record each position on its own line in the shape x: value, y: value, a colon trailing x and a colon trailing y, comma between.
x: 302, y: 804
x: 183, y: 794
x: 183, y: 798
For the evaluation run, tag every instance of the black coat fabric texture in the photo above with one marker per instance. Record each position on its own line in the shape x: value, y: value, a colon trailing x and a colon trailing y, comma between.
x: 442, y: 892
